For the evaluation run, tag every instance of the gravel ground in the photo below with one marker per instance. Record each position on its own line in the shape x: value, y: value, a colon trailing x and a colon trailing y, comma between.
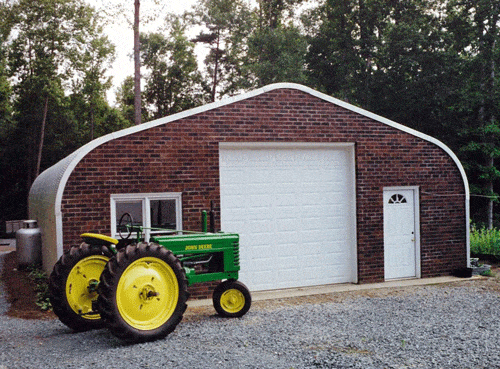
x: 445, y: 326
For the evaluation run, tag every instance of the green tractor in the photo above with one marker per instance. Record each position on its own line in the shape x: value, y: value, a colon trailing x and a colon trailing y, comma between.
x: 139, y: 290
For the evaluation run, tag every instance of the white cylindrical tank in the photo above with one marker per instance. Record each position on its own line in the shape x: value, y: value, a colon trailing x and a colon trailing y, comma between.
x: 29, y: 244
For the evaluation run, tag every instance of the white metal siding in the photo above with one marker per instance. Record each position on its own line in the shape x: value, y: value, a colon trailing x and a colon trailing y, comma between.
x: 293, y: 207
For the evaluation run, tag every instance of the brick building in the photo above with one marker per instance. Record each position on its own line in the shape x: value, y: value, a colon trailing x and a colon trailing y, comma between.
x: 320, y: 191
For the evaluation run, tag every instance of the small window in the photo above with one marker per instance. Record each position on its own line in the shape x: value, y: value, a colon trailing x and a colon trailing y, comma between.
x: 155, y: 212
x: 134, y: 208
x: 163, y: 214
x: 397, y: 199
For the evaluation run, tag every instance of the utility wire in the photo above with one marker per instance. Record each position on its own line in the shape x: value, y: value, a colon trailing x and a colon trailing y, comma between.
x: 460, y: 194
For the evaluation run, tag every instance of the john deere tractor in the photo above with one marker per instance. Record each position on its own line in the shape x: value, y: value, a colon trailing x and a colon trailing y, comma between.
x: 138, y: 289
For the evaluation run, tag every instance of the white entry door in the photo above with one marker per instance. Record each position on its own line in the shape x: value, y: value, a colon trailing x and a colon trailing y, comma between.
x: 401, y: 251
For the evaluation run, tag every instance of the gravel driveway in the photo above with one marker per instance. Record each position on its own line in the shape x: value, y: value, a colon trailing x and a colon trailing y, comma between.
x: 443, y: 326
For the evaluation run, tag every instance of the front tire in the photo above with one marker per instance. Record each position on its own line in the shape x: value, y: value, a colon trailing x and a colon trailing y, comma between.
x: 143, y: 293
x: 72, y: 286
x: 231, y: 299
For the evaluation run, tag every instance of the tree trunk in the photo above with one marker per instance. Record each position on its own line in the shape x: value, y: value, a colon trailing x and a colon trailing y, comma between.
x: 92, y: 118
x: 42, y: 136
x: 216, y: 67
x: 137, y: 67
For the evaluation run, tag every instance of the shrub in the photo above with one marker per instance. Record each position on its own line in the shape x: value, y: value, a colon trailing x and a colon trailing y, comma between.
x: 42, y: 288
x: 485, y: 241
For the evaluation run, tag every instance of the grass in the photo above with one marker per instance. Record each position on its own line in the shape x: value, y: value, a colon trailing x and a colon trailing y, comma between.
x: 487, y: 273
x: 485, y: 241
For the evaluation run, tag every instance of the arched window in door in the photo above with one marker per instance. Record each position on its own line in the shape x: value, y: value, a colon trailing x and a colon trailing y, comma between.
x: 397, y: 199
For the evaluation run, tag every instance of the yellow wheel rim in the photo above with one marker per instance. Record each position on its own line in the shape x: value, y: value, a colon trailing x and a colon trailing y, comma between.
x: 81, y: 283
x: 147, y: 293
x: 232, y: 301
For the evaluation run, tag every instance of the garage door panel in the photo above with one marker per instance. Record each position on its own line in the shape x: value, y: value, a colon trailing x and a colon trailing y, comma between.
x: 323, y: 210
x: 292, y: 208
x: 288, y: 250
x: 257, y: 238
x: 254, y: 214
x: 287, y: 237
x: 285, y: 225
x: 283, y: 175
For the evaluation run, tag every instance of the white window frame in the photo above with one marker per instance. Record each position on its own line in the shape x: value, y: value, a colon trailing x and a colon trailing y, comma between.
x: 146, y: 199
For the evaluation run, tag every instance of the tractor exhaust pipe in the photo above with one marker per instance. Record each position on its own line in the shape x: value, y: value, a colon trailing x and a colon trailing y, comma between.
x: 204, y: 219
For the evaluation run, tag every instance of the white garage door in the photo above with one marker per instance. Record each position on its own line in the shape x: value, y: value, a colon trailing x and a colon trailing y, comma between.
x: 293, y: 206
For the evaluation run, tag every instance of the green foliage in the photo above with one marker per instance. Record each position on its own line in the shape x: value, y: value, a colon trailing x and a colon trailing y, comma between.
x: 474, y: 27
x: 5, y: 87
x: 386, y: 56
x: 485, y: 241
x: 53, y: 86
x: 5, y: 101
x: 272, y: 12
x: 277, y: 55
x: 487, y: 273
x: 173, y: 83
x: 125, y: 99
x: 225, y: 25
x: 39, y: 277
x: 333, y: 59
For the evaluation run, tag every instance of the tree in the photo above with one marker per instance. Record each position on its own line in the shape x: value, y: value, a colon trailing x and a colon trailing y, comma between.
x: 276, y: 51
x: 333, y: 57
x: 125, y: 98
x: 391, y: 57
x: 50, y: 42
x: 475, y: 27
x: 277, y: 55
x: 5, y: 87
x: 273, y: 13
x: 137, y: 65
x: 90, y: 84
x: 47, y: 35
x: 173, y: 83
x: 5, y: 102
x: 414, y: 71
x: 135, y: 20
x: 226, y: 25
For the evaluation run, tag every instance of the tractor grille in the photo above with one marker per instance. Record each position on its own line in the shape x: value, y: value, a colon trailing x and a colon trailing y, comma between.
x: 236, y: 253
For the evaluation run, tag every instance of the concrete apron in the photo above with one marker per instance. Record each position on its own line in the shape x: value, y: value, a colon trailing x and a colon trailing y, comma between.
x: 346, y: 287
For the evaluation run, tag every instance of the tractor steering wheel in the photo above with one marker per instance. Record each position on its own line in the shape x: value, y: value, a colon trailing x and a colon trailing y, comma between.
x: 125, y: 226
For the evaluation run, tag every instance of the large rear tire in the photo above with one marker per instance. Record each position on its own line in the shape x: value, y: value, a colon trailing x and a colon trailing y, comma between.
x: 73, y: 283
x: 143, y: 293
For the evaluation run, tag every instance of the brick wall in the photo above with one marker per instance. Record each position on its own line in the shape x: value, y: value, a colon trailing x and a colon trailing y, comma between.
x: 182, y: 156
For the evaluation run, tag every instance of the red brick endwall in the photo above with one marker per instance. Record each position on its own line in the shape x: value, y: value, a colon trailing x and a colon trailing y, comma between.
x: 183, y: 156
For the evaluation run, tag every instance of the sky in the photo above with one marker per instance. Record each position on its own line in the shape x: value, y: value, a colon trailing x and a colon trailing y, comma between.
x: 120, y: 32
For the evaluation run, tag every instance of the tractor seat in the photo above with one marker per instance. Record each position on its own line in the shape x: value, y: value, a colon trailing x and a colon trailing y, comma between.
x: 98, y: 239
